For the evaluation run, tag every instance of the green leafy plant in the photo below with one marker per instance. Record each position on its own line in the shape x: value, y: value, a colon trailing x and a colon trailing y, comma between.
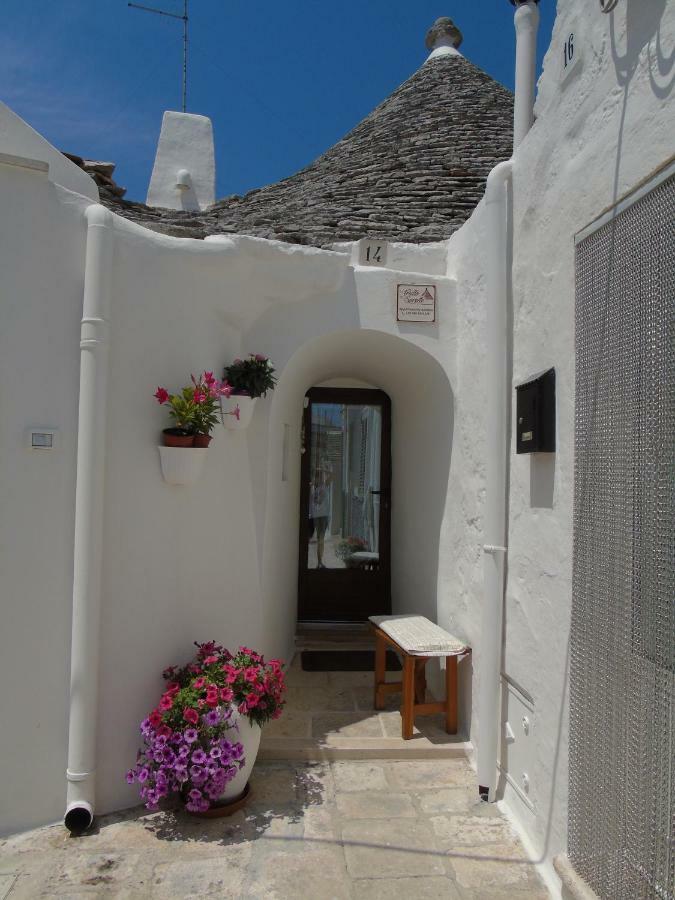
x: 253, y: 376
x: 195, y: 409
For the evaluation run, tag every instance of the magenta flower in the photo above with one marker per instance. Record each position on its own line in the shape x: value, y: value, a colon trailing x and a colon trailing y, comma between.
x: 161, y: 394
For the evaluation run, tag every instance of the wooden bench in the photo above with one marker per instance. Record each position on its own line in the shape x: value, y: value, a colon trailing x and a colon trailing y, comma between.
x: 416, y: 640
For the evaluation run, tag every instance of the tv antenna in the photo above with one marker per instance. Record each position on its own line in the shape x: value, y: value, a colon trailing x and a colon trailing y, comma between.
x: 184, y: 20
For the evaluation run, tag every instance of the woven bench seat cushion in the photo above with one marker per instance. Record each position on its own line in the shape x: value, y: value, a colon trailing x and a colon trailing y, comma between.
x: 418, y: 636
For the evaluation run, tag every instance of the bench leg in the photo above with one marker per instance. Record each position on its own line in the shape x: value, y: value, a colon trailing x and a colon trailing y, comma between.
x: 380, y: 670
x: 420, y: 680
x: 408, y: 697
x: 451, y: 694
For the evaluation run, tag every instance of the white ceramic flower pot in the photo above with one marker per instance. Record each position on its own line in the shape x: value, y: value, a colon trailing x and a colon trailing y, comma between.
x: 181, y: 465
x: 229, y: 405
x: 249, y: 736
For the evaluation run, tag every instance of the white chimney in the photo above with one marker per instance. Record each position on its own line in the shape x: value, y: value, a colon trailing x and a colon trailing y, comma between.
x: 184, y: 173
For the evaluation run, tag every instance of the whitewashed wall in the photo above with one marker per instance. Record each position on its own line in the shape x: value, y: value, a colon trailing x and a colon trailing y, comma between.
x: 599, y: 133
x: 41, y: 260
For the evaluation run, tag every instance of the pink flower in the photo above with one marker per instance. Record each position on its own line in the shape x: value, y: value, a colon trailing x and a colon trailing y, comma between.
x: 226, y: 695
x: 161, y: 394
x: 237, y: 362
x: 166, y: 703
x: 210, y: 659
x: 155, y: 718
x: 172, y: 688
x: 225, y: 389
x: 259, y: 357
x: 199, y: 683
x: 236, y: 412
x: 208, y: 378
x: 199, y: 395
x: 191, y: 715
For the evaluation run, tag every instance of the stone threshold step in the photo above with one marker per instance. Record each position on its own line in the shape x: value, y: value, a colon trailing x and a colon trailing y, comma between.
x: 306, y: 749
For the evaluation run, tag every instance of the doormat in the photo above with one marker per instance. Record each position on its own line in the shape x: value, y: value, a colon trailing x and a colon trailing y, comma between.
x: 345, y: 661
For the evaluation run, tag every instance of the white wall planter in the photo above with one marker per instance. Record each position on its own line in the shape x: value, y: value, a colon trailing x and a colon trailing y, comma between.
x: 246, y: 406
x: 181, y: 465
x: 248, y: 735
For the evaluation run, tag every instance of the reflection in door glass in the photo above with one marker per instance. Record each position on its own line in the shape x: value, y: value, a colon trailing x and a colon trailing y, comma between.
x: 344, y: 473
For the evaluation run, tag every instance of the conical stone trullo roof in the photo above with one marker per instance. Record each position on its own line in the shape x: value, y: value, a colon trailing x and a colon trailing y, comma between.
x: 413, y: 170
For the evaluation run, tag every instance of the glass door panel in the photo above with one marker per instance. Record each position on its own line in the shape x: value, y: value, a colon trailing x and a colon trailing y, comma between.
x: 344, y: 567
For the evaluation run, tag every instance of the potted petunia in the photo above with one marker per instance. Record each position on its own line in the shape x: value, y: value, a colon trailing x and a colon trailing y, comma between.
x: 202, y: 738
x: 249, y: 379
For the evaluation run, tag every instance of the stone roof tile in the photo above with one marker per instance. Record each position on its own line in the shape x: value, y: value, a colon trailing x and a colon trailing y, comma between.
x: 413, y: 170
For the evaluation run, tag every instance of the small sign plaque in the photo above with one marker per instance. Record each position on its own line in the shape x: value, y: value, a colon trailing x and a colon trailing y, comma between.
x: 373, y: 253
x: 416, y: 303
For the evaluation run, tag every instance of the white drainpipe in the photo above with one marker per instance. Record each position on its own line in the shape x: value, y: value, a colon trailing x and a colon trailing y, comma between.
x: 88, y: 544
x: 526, y: 21
x: 498, y: 280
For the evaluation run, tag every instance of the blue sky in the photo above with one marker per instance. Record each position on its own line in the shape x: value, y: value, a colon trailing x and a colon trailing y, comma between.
x: 282, y: 82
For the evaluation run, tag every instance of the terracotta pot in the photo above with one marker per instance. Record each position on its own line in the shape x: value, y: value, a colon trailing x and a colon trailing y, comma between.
x: 202, y: 440
x: 176, y: 437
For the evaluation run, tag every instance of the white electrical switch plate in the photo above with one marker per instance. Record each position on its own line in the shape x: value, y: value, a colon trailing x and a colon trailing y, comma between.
x: 42, y: 438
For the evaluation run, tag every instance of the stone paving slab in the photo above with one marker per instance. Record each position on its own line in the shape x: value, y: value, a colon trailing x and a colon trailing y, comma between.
x: 330, y: 715
x: 347, y: 830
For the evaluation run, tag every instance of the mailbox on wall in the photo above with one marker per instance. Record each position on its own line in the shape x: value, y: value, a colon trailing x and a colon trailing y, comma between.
x: 535, y: 414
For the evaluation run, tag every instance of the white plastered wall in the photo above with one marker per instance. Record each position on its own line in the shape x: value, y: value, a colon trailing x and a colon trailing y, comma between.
x: 599, y: 133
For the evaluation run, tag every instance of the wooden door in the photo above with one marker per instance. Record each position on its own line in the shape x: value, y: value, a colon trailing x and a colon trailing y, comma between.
x: 345, y: 506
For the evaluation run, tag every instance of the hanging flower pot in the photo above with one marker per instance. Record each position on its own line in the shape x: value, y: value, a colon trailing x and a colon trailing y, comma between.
x: 248, y: 379
x: 181, y: 465
x: 237, y: 411
x: 177, y: 437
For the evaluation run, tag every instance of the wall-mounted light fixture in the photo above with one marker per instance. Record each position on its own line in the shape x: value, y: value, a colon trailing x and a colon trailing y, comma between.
x: 608, y: 5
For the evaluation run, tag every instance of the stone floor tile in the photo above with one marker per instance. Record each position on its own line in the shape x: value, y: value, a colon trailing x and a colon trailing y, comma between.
x: 214, y: 877
x: 376, y: 848
x: 497, y: 866
x: 320, y: 823
x: 100, y: 872
x: 375, y: 805
x: 345, y: 725
x: 434, y: 888
x: 291, y: 724
x: 297, y: 677
x: 319, y: 874
x: 455, y: 801
x: 319, y: 699
x: 352, y: 680
x: 423, y: 774
x: 472, y: 831
x: 359, y: 776
x: 364, y: 700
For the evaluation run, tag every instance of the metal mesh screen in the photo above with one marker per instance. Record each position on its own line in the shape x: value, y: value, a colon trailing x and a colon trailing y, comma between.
x: 622, y: 723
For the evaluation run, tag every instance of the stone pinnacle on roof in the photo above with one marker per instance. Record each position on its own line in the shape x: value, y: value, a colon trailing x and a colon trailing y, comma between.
x: 443, y: 33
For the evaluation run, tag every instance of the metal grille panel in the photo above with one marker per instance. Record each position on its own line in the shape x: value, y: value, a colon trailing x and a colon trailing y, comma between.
x: 622, y: 723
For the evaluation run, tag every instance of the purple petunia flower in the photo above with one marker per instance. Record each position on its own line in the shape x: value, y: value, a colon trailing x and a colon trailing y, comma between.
x: 212, y: 717
x: 199, y: 757
x: 190, y: 735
